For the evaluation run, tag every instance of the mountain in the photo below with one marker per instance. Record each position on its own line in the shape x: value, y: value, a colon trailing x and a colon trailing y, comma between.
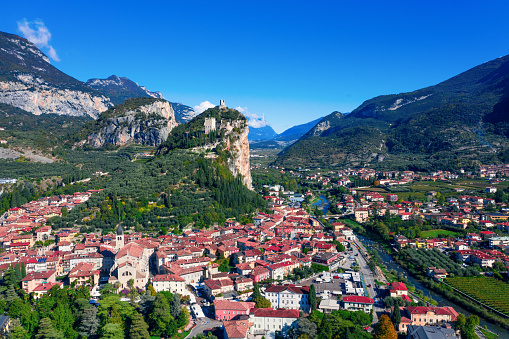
x: 459, y: 122
x: 28, y: 81
x: 295, y: 132
x: 183, y: 113
x: 261, y: 133
x: 146, y: 121
x: 218, y: 132
x: 120, y: 89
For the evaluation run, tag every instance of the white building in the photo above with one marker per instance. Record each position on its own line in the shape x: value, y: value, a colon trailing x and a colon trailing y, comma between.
x: 267, y: 321
x: 289, y: 297
x: 169, y: 282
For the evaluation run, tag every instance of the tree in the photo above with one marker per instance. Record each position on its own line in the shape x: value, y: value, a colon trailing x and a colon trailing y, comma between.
x: 47, y: 331
x: 396, y: 316
x: 89, y: 323
x: 160, y: 317
x: 11, y: 294
x: 306, y: 327
x: 63, y: 320
x: 112, y: 331
x: 175, y: 308
x: 183, y: 319
x: 384, y: 329
x: 261, y: 302
x: 256, y: 291
x: 138, y: 328
x: 16, y: 331
x: 312, y: 297
x: 460, y: 321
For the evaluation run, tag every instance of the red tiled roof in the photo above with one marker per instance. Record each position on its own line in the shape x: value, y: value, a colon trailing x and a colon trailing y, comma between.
x: 358, y: 299
x: 271, y: 313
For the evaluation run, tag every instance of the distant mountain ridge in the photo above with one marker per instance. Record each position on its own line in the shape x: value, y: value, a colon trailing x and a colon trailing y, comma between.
x: 261, y: 133
x: 28, y: 81
x: 454, y: 123
x: 120, y: 88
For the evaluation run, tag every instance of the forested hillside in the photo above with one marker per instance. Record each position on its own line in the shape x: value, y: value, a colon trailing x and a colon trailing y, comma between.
x: 461, y: 122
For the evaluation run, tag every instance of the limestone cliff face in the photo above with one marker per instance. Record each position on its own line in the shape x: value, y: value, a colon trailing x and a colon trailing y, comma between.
x: 33, y: 94
x: 239, y: 163
x: 148, y: 124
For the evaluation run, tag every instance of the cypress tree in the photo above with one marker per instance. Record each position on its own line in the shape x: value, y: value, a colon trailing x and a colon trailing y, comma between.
x: 138, y: 329
x: 312, y: 297
x: 396, y: 317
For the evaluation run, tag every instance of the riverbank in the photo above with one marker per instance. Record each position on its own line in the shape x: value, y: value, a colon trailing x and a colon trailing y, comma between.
x: 430, y: 289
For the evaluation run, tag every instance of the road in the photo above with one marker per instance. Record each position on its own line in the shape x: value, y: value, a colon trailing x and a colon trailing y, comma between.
x: 369, y: 279
x: 202, y: 325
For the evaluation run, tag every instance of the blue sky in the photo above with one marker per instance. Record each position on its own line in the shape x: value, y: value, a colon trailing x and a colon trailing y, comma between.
x: 290, y: 61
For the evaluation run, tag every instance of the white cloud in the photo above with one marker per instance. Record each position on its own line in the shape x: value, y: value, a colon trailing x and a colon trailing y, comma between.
x: 37, y: 33
x: 199, y: 109
x: 253, y: 119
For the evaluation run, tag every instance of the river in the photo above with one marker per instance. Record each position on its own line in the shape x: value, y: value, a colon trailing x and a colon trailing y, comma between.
x: 322, y: 203
x: 392, y: 265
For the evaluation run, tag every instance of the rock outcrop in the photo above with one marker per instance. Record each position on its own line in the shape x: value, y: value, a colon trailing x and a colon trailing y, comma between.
x: 28, y: 81
x: 239, y: 162
x: 35, y: 95
x: 147, y: 124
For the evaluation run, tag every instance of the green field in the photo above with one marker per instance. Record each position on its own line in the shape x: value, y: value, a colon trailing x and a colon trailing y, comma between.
x: 437, y: 233
x: 489, y: 291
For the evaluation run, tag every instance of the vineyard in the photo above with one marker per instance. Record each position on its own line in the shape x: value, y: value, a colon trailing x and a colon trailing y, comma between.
x: 489, y: 291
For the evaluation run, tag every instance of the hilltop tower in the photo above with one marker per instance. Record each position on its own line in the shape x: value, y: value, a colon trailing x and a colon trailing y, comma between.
x: 222, y: 105
x: 119, y: 244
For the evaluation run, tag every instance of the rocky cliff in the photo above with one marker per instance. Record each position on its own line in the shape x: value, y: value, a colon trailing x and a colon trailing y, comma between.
x: 28, y: 81
x: 239, y: 162
x: 143, y: 121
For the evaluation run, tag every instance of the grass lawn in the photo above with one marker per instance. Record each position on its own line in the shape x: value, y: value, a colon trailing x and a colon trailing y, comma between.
x: 488, y: 334
x: 435, y: 233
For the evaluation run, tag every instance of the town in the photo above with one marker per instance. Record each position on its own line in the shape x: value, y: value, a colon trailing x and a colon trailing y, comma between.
x: 263, y: 278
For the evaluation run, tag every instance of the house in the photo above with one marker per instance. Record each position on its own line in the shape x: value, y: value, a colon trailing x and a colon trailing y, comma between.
x: 259, y: 273
x: 398, y: 290
x: 431, y: 332
x: 44, y: 288
x: 267, y: 321
x: 34, y: 279
x: 358, y: 303
x: 84, y: 274
x: 228, y: 310
x: 361, y: 215
x: 329, y: 305
x: 288, y: 296
x: 437, y: 273
x: 217, y: 287
x: 422, y: 316
x: 236, y: 329
x: 169, y: 282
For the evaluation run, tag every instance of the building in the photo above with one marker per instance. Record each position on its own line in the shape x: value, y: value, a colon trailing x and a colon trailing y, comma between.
x: 228, y: 310
x: 34, y: 279
x: 431, y: 332
x: 236, y: 329
x: 357, y: 303
x: 423, y: 316
x: 267, y: 321
x: 84, y: 274
x: 361, y: 215
x: 289, y: 297
x: 218, y: 287
x: 259, y: 273
x: 169, y: 282
x: 209, y: 125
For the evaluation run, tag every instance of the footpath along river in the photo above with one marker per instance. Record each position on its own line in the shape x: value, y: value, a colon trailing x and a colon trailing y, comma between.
x: 392, y: 265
